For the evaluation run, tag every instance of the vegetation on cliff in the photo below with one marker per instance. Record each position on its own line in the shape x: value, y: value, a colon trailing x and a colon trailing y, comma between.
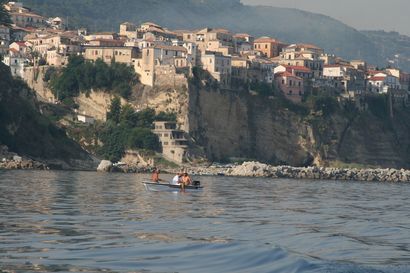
x: 24, y: 130
x: 124, y: 129
x: 80, y: 76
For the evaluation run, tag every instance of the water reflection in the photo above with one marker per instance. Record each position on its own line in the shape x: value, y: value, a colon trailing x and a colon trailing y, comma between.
x: 92, y: 222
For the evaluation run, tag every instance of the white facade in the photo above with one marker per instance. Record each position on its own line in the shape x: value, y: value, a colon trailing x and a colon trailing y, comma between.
x: 218, y: 65
x: 16, y: 64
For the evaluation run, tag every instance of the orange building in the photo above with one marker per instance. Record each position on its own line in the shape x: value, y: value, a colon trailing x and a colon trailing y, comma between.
x: 268, y: 46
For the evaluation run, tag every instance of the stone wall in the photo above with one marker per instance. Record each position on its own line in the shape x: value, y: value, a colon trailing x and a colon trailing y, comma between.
x: 166, y: 75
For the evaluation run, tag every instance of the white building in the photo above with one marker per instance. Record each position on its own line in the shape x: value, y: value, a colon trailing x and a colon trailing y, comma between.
x: 16, y: 62
x: 219, y: 66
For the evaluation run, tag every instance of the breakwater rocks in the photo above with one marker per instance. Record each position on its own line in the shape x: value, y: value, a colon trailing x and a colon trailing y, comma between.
x: 256, y: 169
x: 19, y: 163
x: 12, y: 161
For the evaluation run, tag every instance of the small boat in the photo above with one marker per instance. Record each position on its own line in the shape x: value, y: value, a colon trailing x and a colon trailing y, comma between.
x: 153, y: 186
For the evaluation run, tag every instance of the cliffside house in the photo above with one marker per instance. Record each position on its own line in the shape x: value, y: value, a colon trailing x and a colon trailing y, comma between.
x: 156, y: 56
x: 290, y: 85
x: 120, y: 54
x: 218, y: 66
x: 306, y: 55
x: 16, y: 61
x: 174, y: 144
x: 382, y: 83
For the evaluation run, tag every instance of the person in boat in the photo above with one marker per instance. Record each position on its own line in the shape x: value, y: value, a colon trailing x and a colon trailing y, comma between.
x: 177, y: 179
x: 155, y: 176
x: 185, y: 179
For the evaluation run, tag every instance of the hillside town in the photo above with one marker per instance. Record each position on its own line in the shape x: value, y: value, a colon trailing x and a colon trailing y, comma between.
x: 161, y: 56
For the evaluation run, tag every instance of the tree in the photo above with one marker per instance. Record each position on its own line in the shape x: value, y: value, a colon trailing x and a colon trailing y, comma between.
x: 4, y: 14
x: 143, y: 138
x: 115, y: 110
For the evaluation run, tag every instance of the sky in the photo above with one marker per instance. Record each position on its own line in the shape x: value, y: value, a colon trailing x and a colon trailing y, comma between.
x: 390, y: 15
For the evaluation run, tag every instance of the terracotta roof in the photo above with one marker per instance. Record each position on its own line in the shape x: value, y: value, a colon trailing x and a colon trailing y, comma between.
x: 376, y: 79
x: 304, y: 46
x: 298, y: 68
x: 242, y: 35
x: 288, y: 74
x: 265, y: 40
x: 20, y: 43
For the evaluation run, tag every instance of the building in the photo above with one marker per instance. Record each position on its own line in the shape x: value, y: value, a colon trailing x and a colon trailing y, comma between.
x: 173, y: 142
x: 157, y: 56
x: 4, y: 39
x: 85, y: 119
x: 290, y: 85
x: 269, y: 47
x: 382, y: 83
x: 306, y: 55
x: 218, y: 66
x: 129, y: 30
x: 240, y: 67
x: 16, y: 61
x: 108, y: 54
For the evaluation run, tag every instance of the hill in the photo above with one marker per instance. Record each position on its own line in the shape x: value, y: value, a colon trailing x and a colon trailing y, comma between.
x: 27, y: 132
x: 393, y: 47
x: 289, y: 25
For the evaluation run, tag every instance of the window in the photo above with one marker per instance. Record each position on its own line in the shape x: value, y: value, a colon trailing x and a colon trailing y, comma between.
x: 266, y: 46
x: 165, y: 143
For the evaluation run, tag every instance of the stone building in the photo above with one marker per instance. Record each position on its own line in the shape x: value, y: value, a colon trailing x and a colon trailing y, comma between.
x: 173, y: 142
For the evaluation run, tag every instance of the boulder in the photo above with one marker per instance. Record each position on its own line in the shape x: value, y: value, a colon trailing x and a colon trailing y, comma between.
x: 105, y: 166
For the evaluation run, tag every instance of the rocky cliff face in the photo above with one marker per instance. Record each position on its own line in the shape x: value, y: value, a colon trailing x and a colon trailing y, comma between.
x: 230, y: 124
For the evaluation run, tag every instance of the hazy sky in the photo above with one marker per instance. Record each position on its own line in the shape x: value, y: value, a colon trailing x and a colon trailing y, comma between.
x: 361, y: 14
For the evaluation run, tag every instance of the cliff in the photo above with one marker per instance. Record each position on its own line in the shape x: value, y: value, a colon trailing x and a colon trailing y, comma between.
x: 25, y: 131
x: 238, y: 125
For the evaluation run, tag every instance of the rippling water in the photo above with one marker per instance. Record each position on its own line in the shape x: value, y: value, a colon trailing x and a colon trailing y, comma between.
x: 92, y: 222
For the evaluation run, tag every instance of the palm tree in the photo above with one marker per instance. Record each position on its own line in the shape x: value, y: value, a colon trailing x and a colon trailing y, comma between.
x: 4, y: 14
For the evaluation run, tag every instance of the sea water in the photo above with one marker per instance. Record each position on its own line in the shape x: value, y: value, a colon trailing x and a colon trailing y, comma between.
x: 95, y: 222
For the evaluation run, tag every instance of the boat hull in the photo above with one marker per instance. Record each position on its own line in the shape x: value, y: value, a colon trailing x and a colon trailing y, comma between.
x: 152, y: 186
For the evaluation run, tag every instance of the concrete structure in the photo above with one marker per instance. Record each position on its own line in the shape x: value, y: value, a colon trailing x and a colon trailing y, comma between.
x: 174, y: 144
x: 219, y: 66
x: 85, y: 119
x: 108, y: 54
x: 129, y: 30
x: 156, y: 56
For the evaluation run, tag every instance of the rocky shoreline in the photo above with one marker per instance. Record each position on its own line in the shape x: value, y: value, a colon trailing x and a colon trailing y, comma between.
x: 256, y: 169
x: 12, y: 161
x: 247, y: 169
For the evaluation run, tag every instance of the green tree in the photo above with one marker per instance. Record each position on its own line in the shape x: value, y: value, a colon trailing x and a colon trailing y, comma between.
x: 128, y: 116
x: 115, y: 110
x: 143, y: 138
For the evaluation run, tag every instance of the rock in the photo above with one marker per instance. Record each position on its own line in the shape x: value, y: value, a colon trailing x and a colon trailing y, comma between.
x: 105, y: 166
x: 17, y: 158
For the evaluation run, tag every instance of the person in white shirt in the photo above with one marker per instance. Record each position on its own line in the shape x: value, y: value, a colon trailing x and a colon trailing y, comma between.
x: 176, y: 180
